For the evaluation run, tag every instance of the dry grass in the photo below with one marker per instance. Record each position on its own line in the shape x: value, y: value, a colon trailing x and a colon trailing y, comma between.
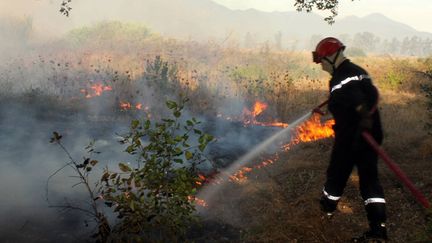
x: 277, y: 203
x: 280, y: 203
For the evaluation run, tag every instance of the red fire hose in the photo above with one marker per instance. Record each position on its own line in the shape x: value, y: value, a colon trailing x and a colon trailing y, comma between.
x: 389, y: 162
x: 395, y: 168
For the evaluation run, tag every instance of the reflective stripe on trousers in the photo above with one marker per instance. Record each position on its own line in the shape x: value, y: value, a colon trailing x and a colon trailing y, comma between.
x: 374, y: 200
x: 334, y: 198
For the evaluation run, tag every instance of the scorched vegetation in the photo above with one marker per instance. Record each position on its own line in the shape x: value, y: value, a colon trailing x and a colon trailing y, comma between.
x: 121, y: 75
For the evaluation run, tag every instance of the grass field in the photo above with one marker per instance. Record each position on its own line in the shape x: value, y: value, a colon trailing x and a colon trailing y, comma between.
x: 69, y: 79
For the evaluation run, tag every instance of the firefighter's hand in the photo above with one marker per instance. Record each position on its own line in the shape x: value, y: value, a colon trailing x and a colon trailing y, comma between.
x: 318, y: 111
x: 362, y: 111
x: 366, y: 121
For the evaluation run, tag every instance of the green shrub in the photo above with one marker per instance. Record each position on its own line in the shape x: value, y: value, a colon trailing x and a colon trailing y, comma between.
x: 153, y: 199
x: 250, y: 78
x: 161, y: 76
x: 109, y: 31
x: 394, y: 79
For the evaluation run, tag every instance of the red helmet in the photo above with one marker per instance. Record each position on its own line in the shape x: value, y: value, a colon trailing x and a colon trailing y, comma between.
x: 326, y: 47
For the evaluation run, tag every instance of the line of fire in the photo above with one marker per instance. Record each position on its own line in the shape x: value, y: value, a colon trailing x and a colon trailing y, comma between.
x: 311, y: 130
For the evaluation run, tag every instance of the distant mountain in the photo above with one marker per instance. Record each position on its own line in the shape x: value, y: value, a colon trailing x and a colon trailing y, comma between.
x: 379, y: 25
x: 204, y: 19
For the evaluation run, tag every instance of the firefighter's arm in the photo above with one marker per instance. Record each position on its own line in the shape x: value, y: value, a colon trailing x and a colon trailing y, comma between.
x: 368, y: 107
x: 366, y: 121
x: 360, y: 103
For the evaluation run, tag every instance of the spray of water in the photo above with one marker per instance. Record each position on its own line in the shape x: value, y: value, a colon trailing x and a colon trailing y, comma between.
x: 209, y: 191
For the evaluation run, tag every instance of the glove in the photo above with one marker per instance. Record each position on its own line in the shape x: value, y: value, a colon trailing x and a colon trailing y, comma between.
x: 318, y: 111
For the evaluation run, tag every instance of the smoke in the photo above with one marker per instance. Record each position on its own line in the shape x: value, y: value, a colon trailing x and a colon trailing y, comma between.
x: 209, y: 191
x: 41, y: 92
x: 37, y: 105
x: 27, y: 160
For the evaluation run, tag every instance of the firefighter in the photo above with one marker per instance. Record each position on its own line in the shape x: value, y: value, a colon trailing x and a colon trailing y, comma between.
x: 353, y: 104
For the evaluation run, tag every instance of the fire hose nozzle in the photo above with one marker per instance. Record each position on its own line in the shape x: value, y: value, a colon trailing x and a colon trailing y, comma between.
x: 319, y: 111
x: 318, y: 108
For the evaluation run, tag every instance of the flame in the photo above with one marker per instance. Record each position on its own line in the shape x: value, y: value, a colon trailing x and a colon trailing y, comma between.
x: 312, y: 130
x: 200, y: 202
x: 99, y: 88
x: 197, y: 201
x: 249, y: 116
x: 309, y: 131
x: 258, y: 108
x: 267, y: 162
x: 128, y: 106
x: 95, y: 90
x: 272, y: 124
x: 240, y: 175
x: 210, y: 178
x: 125, y: 105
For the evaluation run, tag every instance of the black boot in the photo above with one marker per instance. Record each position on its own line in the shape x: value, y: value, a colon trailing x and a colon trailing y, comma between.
x: 328, y: 206
x: 377, y: 234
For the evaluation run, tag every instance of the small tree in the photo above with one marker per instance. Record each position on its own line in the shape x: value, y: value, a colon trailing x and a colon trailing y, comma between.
x: 154, y: 200
x: 65, y: 7
x: 83, y: 171
x: 322, y: 5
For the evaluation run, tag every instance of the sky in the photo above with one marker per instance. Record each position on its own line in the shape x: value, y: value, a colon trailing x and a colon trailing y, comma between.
x: 415, y: 13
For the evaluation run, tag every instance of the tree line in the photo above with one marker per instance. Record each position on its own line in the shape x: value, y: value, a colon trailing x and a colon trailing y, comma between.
x: 369, y: 43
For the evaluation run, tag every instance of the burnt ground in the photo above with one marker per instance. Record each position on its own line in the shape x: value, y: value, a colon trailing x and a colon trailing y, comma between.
x: 279, y: 203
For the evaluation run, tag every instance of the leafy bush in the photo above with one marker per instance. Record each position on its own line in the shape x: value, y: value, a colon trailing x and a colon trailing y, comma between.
x: 161, y: 76
x: 153, y: 200
x: 83, y: 171
x: 109, y: 31
x: 248, y: 72
x: 251, y: 77
x: 394, y: 79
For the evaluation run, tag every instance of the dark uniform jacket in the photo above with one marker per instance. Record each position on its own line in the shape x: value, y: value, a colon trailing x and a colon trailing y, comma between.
x: 350, y: 87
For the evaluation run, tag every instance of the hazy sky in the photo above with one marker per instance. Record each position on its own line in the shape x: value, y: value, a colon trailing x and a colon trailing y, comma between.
x: 416, y: 13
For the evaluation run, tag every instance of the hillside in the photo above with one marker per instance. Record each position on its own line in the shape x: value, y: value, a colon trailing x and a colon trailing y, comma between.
x: 205, y: 19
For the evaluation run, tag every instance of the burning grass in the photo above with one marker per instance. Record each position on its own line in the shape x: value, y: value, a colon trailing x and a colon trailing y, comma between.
x: 273, y: 200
